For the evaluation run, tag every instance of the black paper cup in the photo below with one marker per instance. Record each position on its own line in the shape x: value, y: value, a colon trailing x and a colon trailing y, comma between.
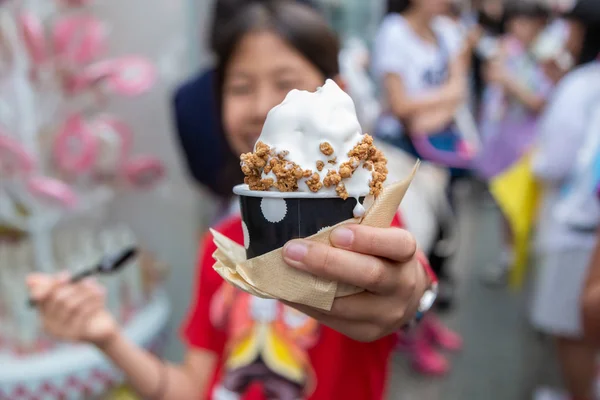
x: 271, y: 219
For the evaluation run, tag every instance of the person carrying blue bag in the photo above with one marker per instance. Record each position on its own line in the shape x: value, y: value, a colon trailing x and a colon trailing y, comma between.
x: 420, y: 64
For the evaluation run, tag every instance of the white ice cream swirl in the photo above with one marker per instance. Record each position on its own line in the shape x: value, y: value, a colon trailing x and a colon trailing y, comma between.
x: 305, y: 120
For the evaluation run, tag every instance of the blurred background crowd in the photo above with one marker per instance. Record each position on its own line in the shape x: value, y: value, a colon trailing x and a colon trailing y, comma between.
x: 499, y: 98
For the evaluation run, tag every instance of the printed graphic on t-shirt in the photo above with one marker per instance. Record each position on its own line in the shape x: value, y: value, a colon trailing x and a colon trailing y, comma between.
x: 268, y: 344
x: 435, y: 77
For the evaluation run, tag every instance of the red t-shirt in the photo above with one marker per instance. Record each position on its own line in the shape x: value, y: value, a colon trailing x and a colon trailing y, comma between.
x: 344, y: 368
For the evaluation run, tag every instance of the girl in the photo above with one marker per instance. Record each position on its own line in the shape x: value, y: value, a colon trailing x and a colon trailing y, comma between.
x: 567, y: 229
x: 267, y: 49
x: 419, y: 64
x: 516, y: 93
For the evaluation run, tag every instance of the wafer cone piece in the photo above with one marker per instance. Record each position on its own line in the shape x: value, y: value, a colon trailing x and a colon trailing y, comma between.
x: 268, y: 276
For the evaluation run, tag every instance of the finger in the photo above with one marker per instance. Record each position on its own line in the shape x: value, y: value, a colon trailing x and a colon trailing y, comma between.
x: 371, y: 308
x: 35, y: 279
x: 43, y: 286
x: 370, y: 273
x: 60, y: 298
x: 357, y: 330
x: 81, y: 319
x: 361, y: 307
x: 76, y: 300
x: 392, y: 243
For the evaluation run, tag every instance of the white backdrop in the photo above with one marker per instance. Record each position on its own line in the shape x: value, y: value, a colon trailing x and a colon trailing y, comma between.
x: 169, y: 222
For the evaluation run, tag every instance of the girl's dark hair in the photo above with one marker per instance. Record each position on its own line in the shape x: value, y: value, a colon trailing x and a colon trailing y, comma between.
x: 587, y: 13
x: 225, y: 10
x: 302, y: 27
x: 397, y: 6
x: 522, y: 8
x: 299, y: 25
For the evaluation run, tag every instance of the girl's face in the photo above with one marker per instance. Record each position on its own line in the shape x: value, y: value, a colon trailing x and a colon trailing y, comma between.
x: 493, y: 9
x: 433, y: 7
x: 260, y: 73
x: 526, y: 29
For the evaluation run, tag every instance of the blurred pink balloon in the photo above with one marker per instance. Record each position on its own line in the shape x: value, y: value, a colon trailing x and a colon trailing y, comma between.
x: 144, y: 171
x: 75, y: 147
x: 52, y: 191
x: 14, y: 159
x: 79, y: 39
x: 133, y: 76
x: 32, y: 31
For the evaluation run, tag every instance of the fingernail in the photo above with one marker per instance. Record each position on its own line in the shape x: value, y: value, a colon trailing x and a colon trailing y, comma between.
x: 342, y: 237
x: 295, y: 251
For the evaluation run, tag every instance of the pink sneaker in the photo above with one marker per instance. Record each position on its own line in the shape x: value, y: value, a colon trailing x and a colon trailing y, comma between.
x: 441, y: 335
x: 427, y: 361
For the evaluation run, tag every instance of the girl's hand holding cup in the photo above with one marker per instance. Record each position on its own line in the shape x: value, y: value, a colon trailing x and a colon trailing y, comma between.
x: 72, y: 311
x: 383, y: 261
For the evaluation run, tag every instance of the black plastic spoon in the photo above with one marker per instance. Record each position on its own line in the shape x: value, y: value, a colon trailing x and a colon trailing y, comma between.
x: 107, y: 265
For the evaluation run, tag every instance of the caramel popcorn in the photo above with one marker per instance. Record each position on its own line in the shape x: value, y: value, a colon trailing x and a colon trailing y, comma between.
x: 332, y: 179
x: 326, y: 149
x: 314, y: 183
x: 285, y: 175
x: 340, y: 189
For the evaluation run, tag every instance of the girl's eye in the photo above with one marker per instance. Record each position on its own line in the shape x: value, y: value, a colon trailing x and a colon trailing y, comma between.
x: 239, y: 89
x: 286, y: 84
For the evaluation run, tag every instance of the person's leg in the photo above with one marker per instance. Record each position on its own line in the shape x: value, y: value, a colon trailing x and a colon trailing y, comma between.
x: 556, y: 311
x: 578, y: 365
x: 439, y: 265
x: 508, y: 240
x: 498, y: 270
x: 440, y: 262
x: 425, y: 357
x: 439, y: 334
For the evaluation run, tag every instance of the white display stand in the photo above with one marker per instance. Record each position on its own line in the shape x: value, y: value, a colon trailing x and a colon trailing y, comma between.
x: 80, y: 371
x: 60, y: 231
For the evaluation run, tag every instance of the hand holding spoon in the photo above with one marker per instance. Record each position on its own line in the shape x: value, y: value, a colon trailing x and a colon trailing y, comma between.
x: 108, y: 265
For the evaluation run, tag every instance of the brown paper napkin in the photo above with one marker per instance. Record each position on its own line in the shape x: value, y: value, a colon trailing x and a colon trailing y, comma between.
x: 268, y: 276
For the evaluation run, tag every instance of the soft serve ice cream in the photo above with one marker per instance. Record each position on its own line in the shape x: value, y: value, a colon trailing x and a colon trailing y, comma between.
x: 313, y: 142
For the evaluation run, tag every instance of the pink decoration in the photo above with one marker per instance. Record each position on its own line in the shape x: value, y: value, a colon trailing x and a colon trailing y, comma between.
x: 76, y: 147
x: 33, y: 35
x: 79, y: 39
x: 14, y: 159
x: 90, y: 76
x: 117, y: 128
x: 52, y: 191
x: 132, y: 76
x: 143, y: 172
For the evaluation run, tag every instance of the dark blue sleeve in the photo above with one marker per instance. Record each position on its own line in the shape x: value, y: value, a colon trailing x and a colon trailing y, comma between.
x: 198, y: 127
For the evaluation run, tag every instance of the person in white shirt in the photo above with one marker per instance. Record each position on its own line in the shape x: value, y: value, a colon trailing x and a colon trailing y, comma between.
x: 420, y: 68
x: 418, y: 65
x: 567, y: 161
